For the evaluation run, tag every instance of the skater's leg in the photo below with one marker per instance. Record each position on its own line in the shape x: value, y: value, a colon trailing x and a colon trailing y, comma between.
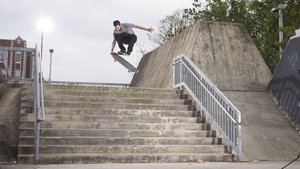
x: 131, y: 41
x: 119, y: 38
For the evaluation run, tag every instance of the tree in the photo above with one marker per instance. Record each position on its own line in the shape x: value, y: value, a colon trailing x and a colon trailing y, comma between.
x: 257, y: 17
x: 171, y: 26
x: 219, y: 10
x: 267, y: 42
x: 266, y: 30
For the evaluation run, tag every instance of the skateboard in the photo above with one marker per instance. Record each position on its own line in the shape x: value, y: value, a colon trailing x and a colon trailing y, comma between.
x: 124, y: 63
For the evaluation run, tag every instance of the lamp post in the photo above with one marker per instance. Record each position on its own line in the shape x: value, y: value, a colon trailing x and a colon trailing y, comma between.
x: 42, y: 42
x: 45, y: 25
x: 279, y: 8
x: 50, y: 71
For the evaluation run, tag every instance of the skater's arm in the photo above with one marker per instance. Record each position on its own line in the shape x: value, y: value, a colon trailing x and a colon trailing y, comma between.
x: 143, y: 28
x: 113, y: 46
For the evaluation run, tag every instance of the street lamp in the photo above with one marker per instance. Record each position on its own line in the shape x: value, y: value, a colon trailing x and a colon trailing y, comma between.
x: 45, y: 25
x: 279, y: 8
x: 51, y: 52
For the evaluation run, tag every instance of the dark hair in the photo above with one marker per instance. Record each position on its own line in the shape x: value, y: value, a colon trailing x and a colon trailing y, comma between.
x: 117, y: 22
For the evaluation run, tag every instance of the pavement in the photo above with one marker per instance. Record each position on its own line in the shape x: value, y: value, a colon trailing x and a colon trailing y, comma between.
x: 205, y: 165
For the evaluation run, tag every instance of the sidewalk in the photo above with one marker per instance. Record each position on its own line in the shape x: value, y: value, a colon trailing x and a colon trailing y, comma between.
x: 206, y: 165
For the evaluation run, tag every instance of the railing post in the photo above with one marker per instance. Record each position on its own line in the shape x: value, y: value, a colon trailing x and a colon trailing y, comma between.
x: 37, y: 106
x: 180, y: 73
x: 174, y: 72
x: 239, y: 137
x: 41, y: 92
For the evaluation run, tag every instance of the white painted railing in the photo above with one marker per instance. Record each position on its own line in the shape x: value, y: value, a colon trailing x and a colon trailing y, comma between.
x: 213, y: 103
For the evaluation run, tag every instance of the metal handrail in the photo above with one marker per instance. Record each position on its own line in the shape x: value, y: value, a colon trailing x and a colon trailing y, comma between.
x: 88, y: 84
x: 38, y: 101
x: 213, y: 103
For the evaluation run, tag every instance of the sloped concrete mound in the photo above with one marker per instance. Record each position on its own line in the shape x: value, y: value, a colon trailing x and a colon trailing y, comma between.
x: 226, y: 53
x: 223, y: 51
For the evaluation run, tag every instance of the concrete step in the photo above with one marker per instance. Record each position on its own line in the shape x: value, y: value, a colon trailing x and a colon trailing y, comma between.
x: 112, y: 118
x: 116, y: 125
x: 127, y: 158
x: 75, y: 140
x: 27, y: 95
x: 118, y: 112
x: 149, y: 149
x: 108, y: 99
x: 115, y: 94
x: 117, y: 105
x: 109, y: 89
x: 110, y: 124
x: 118, y: 133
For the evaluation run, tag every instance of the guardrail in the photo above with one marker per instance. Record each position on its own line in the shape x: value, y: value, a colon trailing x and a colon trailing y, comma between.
x: 213, y: 103
x: 38, y: 101
x: 87, y: 84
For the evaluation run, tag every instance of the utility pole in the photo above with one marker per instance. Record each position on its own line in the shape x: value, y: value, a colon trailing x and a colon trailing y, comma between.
x: 279, y: 8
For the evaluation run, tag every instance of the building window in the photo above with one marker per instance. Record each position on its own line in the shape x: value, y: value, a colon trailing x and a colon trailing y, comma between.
x: 1, y: 56
x: 18, y: 57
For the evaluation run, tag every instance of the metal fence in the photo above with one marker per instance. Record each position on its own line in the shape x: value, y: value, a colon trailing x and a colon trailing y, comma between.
x: 87, y: 84
x: 213, y: 103
x: 38, y: 101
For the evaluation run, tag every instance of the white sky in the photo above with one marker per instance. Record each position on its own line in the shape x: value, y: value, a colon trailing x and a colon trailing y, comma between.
x: 82, y: 33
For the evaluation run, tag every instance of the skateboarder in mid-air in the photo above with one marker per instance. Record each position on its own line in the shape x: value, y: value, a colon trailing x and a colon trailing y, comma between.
x: 123, y: 34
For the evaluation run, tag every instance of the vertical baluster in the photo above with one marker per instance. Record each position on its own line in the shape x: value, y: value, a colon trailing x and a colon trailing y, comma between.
x: 234, y: 131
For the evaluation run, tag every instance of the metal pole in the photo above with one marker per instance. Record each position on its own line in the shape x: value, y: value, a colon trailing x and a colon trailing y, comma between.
x: 279, y: 8
x: 41, y: 93
x: 50, y: 67
x: 50, y: 71
x: 37, y: 108
x: 280, y: 31
x: 42, y: 41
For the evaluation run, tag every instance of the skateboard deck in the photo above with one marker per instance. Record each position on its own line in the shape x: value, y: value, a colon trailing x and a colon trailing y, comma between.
x: 124, y: 63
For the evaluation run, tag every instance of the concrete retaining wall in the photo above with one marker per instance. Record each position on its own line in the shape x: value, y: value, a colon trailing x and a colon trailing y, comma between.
x: 9, y: 116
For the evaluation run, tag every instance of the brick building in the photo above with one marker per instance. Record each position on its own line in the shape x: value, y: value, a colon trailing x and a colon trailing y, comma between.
x: 16, y: 60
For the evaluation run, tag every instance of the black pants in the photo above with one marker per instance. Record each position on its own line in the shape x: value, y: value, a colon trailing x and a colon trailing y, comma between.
x: 125, y: 38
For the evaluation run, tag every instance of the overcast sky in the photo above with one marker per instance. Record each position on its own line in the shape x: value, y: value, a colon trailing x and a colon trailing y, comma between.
x: 82, y: 33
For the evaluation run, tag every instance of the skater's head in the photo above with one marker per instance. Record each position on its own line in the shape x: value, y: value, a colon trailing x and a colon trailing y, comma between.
x: 117, y: 25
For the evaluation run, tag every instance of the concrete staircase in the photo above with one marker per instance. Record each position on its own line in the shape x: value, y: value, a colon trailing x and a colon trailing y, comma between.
x: 118, y: 125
